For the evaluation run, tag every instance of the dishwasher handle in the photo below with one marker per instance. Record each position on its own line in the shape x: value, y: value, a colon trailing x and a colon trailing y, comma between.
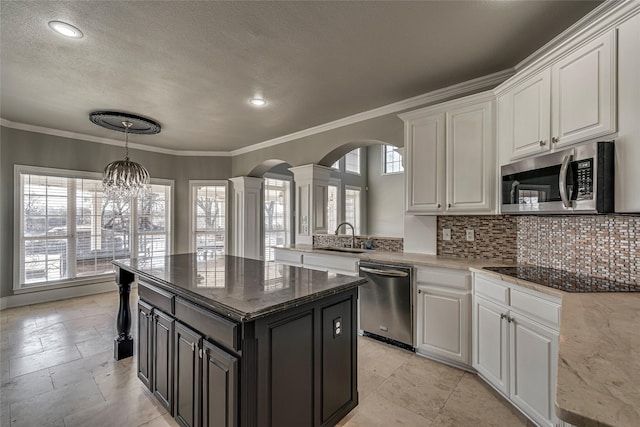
x: 390, y: 273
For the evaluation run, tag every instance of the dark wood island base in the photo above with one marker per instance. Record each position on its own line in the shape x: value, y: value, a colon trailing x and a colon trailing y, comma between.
x: 289, y: 362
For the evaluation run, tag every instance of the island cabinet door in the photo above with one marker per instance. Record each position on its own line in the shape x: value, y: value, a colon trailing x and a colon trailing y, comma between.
x: 187, y: 371
x: 163, y: 359
x: 219, y: 387
x: 145, y: 344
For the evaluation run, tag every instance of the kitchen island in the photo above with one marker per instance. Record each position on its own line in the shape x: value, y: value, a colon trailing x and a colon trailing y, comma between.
x: 226, y: 341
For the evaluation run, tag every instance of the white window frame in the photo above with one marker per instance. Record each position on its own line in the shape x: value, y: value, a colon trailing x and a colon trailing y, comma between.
x: 292, y: 231
x: 336, y: 183
x: 383, y: 157
x: 344, y: 160
x: 18, y: 223
x: 359, y: 219
x: 208, y: 182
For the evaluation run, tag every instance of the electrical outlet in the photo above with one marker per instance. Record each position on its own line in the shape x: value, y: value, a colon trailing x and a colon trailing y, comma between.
x: 471, y: 236
x: 337, y: 327
x: 446, y: 234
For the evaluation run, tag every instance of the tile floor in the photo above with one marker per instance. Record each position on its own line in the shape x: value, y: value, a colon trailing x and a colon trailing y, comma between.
x: 57, y: 369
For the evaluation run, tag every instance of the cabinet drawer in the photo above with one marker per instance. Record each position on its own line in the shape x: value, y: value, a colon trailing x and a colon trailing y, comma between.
x: 340, y: 264
x: 213, y: 326
x: 492, y: 290
x: 444, y: 277
x: 288, y: 257
x: 547, y: 312
x: 157, y: 297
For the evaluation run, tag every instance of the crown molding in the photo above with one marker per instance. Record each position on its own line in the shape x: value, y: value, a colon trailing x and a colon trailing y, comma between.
x: 485, y: 82
x: 108, y: 141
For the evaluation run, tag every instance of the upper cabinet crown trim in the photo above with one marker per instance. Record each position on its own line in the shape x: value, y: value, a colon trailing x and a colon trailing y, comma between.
x: 446, y: 106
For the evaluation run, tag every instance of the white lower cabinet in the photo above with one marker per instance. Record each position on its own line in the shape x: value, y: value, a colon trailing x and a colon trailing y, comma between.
x: 516, y: 352
x: 444, y: 315
x: 342, y: 264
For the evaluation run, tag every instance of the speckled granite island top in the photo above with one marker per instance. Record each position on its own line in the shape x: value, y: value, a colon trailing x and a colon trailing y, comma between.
x: 240, y: 288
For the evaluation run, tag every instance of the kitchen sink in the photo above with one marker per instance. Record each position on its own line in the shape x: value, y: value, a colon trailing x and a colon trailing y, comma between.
x: 346, y: 250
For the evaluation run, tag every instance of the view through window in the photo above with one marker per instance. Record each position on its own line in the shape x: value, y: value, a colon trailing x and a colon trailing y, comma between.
x: 352, y: 207
x: 209, y: 201
x: 392, y: 160
x: 277, y: 214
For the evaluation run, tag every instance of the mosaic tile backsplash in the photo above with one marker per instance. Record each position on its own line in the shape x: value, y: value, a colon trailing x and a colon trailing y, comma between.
x: 604, y: 246
x: 387, y: 244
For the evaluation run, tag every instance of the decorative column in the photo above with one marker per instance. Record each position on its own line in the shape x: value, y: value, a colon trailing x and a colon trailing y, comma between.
x: 248, y: 210
x: 123, y: 344
x: 311, y: 182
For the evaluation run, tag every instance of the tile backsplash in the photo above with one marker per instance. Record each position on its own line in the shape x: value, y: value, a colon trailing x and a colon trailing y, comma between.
x: 387, y: 244
x: 603, y: 246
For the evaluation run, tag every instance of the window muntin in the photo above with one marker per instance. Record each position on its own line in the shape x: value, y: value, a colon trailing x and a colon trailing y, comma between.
x: 68, y: 230
x: 277, y: 215
x: 352, y: 161
x: 209, y: 219
x: 391, y: 160
x: 352, y: 210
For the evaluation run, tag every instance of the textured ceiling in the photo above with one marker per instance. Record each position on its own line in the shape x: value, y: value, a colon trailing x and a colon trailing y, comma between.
x: 192, y: 66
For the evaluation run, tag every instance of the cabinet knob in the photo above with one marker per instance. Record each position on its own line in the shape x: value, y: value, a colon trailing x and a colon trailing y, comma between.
x: 554, y: 139
x: 503, y: 315
x: 193, y: 346
x: 419, y: 291
x: 449, y: 205
x: 543, y: 143
x: 439, y: 205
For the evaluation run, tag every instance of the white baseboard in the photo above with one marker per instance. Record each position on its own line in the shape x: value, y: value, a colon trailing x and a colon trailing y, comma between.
x: 48, y: 295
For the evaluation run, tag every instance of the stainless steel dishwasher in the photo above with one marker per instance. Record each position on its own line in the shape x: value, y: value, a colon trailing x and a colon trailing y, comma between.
x: 386, y: 303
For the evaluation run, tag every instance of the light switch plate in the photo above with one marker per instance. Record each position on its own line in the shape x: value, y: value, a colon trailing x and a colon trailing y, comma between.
x: 471, y: 236
x: 446, y: 234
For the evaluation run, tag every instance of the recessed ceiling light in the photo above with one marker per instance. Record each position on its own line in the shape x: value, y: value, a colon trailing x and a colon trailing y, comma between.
x: 258, y: 102
x: 65, y: 29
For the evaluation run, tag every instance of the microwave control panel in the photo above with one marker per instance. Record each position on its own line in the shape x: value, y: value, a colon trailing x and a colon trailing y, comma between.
x: 585, y: 179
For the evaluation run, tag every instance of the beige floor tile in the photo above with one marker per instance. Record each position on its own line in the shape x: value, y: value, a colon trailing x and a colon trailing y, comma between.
x: 378, y: 411
x: 36, y: 332
x: 164, y: 420
x: 50, y: 408
x: 119, y: 381
x: 130, y: 409
x: 421, y: 385
x: 368, y: 383
x: 94, y: 346
x: 17, y: 348
x: 473, y: 403
x: 25, y: 386
x: 69, y: 337
x: 46, y: 359
x: 85, y: 368
x: 382, y: 359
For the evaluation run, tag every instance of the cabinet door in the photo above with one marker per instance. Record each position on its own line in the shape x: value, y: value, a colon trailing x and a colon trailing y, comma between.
x: 443, y: 323
x: 490, y: 339
x: 470, y: 148
x: 583, y: 92
x: 425, y: 173
x: 163, y: 359
x: 145, y: 343
x: 219, y: 387
x: 533, y: 365
x: 525, y: 117
x: 187, y: 371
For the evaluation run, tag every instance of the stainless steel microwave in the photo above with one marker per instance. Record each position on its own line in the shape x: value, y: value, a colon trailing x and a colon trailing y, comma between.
x: 579, y: 180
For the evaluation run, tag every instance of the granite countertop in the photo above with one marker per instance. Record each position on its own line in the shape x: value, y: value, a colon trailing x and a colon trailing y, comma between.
x: 598, y: 381
x: 407, y: 258
x: 240, y: 288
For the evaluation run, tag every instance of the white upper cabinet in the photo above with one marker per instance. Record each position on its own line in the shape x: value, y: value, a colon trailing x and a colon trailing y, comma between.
x: 569, y: 101
x: 583, y: 92
x: 525, y: 114
x: 425, y: 163
x: 450, y: 165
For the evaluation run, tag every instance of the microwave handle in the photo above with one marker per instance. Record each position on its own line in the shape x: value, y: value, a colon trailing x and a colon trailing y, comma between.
x: 563, y: 180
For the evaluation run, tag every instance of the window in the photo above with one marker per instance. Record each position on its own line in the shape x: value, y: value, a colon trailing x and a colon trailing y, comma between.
x: 277, y: 215
x: 208, y: 217
x: 68, y: 230
x: 332, y: 208
x: 352, y: 161
x: 391, y: 160
x: 336, y: 165
x: 352, y: 207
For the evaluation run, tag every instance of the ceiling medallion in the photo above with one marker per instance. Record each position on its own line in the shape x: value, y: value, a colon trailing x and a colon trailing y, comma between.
x: 124, y: 178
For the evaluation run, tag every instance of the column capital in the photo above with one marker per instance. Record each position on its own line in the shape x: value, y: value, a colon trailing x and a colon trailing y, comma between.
x: 311, y: 172
x: 246, y: 183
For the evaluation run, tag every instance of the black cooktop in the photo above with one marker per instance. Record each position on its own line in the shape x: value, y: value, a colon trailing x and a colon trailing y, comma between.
x: 564, y: 280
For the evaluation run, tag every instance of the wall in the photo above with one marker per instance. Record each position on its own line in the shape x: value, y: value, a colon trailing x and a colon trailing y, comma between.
x: 604, y: 246
x: 35, y: 149
x: 385, y: 196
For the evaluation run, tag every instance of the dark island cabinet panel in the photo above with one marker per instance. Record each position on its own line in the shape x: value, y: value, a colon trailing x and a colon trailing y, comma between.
x: 219, y: 387
x: 163, y: 359
x: 187, y: 370
x: 337, y: 347
x: 145, y: 344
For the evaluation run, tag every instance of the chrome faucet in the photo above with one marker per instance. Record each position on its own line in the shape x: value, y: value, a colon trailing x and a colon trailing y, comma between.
x: 353, y: 232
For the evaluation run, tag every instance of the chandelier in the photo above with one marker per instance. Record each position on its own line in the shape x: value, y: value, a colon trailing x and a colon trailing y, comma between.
x: 125, y: 178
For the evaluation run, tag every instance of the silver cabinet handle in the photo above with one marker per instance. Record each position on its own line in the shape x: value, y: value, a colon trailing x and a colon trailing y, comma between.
x: 390, y: 273
x: 543, y: 143
x: 193, y: 346
x: 563, y: 180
